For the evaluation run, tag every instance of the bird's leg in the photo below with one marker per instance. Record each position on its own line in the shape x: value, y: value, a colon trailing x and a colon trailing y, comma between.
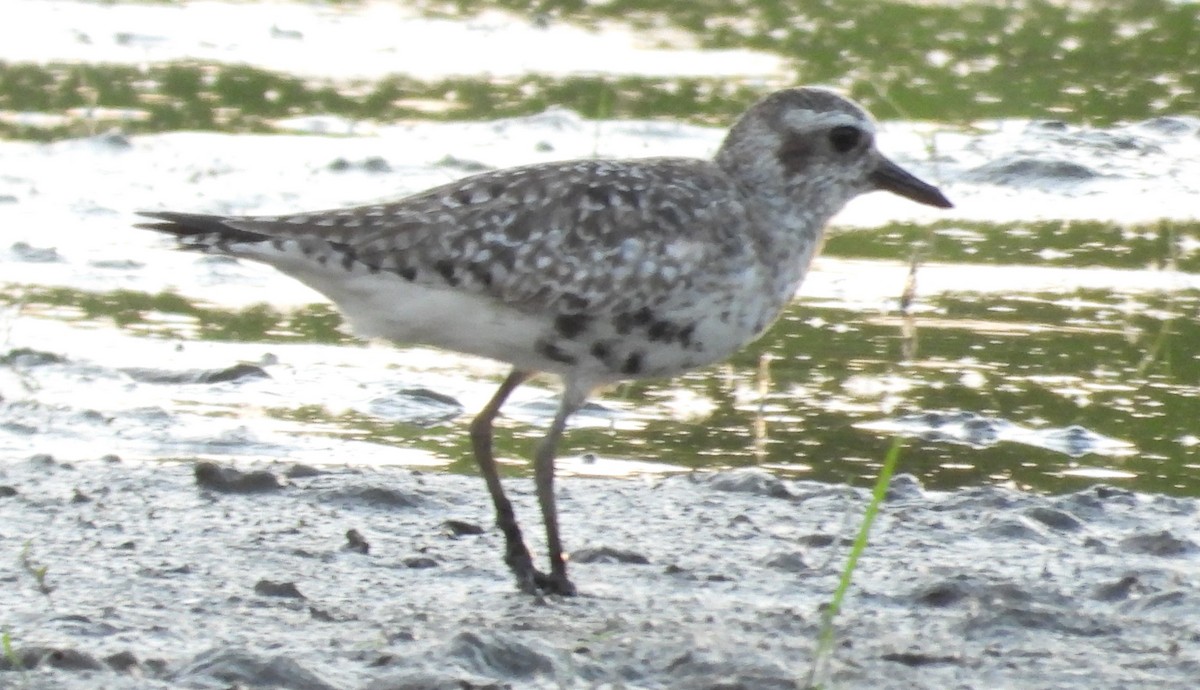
x: 543, y: 472
x: 516, y: 554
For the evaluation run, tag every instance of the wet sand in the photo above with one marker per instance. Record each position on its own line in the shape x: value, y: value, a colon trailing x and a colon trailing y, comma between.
x: 187, y: 574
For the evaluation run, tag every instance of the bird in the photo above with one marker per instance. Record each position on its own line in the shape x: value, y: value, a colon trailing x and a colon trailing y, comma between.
x: 594, y: 271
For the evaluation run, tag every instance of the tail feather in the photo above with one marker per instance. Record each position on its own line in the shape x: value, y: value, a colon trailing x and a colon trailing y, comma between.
x: 197, y: 229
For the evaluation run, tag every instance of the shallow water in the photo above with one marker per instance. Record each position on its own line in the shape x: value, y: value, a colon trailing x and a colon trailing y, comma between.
x: 237, y: 66
x: 1058, y: 297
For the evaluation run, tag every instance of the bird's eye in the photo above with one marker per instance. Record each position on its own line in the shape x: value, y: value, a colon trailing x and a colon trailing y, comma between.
x: 844, y: 138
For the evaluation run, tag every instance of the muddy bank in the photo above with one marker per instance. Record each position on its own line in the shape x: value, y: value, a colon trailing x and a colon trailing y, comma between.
x: 126, y: 575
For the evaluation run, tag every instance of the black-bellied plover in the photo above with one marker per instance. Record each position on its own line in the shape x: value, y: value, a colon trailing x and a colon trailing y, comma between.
x: 595, y: 271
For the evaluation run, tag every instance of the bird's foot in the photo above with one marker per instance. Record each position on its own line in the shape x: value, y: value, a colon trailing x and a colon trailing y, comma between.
x: 532, y: 581
x: 521, y: 565
x: 555, y: 583
x: 535, y: 582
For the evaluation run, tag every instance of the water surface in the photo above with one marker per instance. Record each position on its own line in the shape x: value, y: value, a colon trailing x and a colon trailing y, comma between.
x: 1059, y: 296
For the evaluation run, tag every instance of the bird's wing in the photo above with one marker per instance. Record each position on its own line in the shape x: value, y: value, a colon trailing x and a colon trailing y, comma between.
x: 566, y: 237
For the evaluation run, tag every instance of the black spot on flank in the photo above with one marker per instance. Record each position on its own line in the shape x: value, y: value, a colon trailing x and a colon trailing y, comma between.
x: 349, y: 256
x: 626, y: 321
x: 407, y: 272
x: 481, y: 273
x: 633, y: 364
x: 601, y: 351
x: 571, y: 325
x: 623, y: 323
x: 370, y: 259
x: 277, y: 244
x: 661, y: 330
x: 685, y: 335
x: 463, y: 196
x: 573, y: 302
x: 446, y: 270
x: 554, y: 352
x: 496, y: 190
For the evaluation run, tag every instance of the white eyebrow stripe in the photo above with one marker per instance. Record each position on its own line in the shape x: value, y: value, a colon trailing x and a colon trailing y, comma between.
x: 808, y: 120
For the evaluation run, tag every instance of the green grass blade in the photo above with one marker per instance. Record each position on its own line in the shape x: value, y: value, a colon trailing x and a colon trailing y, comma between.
x: 824, y: 652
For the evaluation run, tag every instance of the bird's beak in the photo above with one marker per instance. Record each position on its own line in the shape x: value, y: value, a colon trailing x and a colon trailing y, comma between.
x: 891, y: 177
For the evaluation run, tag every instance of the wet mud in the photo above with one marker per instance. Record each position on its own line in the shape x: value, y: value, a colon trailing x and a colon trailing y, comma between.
x: 201, y: 575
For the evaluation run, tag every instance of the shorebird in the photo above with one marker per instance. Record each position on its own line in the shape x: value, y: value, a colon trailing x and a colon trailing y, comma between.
x: 595, y: 271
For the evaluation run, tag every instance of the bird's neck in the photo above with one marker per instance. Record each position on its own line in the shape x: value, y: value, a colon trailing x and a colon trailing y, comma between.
x: 791, y: 233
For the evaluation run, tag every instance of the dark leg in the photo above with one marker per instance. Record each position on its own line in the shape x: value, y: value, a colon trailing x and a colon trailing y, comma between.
x: 543, y: 472
x: 516, y: 554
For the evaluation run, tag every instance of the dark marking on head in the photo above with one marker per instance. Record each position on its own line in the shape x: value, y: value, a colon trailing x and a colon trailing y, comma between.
x: 794, y: 154
x: 553, y: 352
x: 277, y: 244
x: 446, y: 269
x: 571, y: 325
x: 633, y: 364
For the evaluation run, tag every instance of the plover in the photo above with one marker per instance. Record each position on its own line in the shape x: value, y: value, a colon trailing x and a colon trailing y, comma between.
x: 594, y: 271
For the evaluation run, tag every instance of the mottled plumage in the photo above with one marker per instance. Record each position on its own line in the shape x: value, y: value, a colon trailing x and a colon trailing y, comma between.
x: 594, y: 270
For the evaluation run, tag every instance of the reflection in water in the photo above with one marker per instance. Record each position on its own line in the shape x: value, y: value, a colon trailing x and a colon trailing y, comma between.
x: 975, y: 431
x: 1017, y: 349
x: 1064, y: 375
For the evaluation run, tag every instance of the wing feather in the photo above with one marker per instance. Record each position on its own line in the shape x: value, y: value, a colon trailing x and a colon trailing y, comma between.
x: 567, y: 237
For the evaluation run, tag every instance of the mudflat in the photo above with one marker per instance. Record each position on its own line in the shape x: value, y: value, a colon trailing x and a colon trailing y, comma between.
x: 199, y: 575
